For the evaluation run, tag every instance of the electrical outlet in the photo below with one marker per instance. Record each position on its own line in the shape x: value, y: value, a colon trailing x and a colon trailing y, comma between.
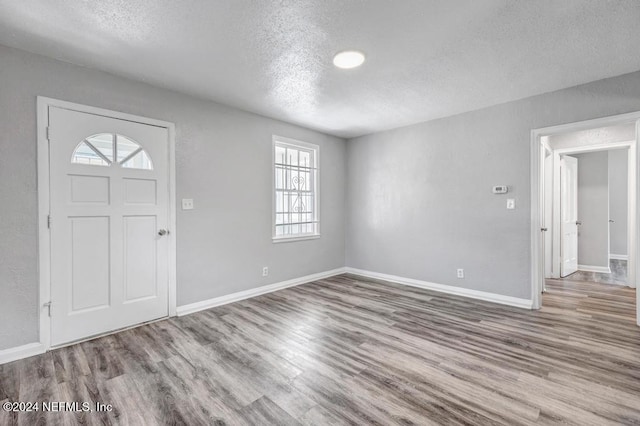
x: 265, y: 271
x: 460, y: 273
x: 187, y: 204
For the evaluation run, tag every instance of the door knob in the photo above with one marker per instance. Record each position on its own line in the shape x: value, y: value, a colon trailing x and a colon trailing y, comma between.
x: 578, y: 222
x: 543, y: 229
x: 163, y: 232
x: 611, y: 221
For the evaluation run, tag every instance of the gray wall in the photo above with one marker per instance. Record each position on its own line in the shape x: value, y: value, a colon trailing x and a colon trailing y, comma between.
x: 223, y: 162
x: 593, y: 208
x: 419, y: 202
x: 618, y: 200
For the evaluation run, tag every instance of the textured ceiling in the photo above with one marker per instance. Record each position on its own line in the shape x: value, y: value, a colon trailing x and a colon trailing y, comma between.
x: 425, y: 58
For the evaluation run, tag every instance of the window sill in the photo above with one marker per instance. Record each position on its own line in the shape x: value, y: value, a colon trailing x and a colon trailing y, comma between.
x: 292, y: 239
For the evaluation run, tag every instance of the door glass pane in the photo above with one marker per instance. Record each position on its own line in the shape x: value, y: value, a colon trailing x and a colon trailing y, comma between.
x: 84, y: 154
x: 139, y: 161
x: 103, y: 143
x: 125, y: 147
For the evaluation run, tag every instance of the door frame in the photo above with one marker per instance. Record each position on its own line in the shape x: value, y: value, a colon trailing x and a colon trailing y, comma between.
x: 537, y: 194
x: 43, y: 185
x: 555, y: 227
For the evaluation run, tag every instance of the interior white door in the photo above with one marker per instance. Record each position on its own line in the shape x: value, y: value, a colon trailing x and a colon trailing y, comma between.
x: 547, y: 212
x: 569, y: 215
x: 109, y: 212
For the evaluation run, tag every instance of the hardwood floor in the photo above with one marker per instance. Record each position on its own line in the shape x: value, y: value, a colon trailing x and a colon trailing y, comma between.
x: 618, y: 274
x: 347, y: 350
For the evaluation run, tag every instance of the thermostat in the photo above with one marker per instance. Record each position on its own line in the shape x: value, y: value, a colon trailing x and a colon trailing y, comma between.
x: 500, y: 189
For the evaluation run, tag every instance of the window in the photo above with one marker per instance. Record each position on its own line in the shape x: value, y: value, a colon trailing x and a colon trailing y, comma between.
x: 101, y: 149
x: 295, y: 200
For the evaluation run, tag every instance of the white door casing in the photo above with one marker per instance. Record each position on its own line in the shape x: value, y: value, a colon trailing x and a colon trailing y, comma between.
x: 547, y: 212
x: 109, y: 265
x: 537, y: 192
x: 569, y: 214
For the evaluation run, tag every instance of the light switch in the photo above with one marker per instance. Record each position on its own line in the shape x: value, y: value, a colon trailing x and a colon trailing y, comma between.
x: 187, y: 204
x: 511, y: 203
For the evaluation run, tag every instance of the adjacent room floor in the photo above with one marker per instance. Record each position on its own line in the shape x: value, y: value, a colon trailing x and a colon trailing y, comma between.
x: 351, y: 351
x: 617, y: 276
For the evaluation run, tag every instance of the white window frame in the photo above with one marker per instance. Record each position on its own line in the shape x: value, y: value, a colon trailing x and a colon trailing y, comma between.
x: 280, y: 141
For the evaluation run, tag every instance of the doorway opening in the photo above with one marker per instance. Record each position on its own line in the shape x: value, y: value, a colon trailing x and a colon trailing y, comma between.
x: 584, y: 204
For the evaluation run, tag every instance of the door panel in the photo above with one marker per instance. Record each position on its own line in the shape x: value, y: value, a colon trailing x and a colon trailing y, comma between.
x: 140, y: 235
x: 90, y: 269
x: 140, y: 191
x: 569, y: 215
x: 109, y: 197
x: 89, y: 189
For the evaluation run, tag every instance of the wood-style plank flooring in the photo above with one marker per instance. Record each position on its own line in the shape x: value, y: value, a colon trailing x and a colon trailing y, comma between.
x: 618, y: 274
x: 347, y: 350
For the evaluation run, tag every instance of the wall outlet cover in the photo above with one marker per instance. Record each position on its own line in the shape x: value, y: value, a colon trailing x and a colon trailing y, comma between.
x: 187, y: 204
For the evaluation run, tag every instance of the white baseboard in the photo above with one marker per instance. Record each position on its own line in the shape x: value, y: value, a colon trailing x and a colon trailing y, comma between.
x: 20, y: 352
x: 618, y: 256
x: 449, y: 289
x: 241, y: 295
x: 592, y: 268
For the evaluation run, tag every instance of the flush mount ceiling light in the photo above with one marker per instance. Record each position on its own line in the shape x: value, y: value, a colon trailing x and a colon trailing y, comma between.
x: 348, y: 59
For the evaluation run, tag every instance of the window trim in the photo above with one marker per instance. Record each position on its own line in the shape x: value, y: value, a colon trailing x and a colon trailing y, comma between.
x: 280, y: 140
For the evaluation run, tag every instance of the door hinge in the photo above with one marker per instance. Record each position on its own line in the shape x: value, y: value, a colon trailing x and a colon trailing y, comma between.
x: 49, y: 221
x: 48, y: 306
x: 48, y: 133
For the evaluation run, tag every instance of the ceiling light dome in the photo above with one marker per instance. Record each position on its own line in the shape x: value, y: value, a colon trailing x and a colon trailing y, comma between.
x: 348, y: 59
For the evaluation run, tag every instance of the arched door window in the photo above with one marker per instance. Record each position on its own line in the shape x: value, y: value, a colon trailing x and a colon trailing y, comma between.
x: 107, y: 149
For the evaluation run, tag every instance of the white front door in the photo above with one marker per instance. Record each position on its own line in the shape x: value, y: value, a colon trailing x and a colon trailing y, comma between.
x: 569, y: 215
x: 109, y: 206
